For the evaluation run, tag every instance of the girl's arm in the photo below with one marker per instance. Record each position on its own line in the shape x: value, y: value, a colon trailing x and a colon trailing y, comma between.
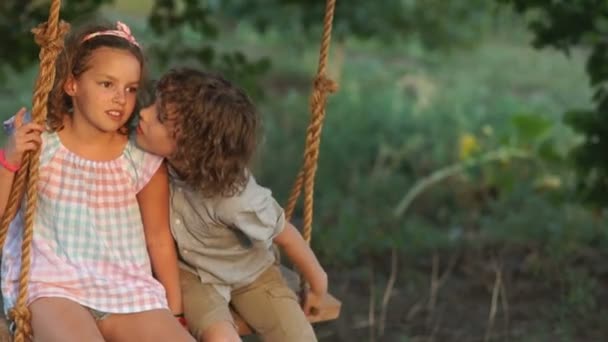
x: 154, y: 206
x: 6, y: 182
x: 300, y: 254
x: 24, y: 137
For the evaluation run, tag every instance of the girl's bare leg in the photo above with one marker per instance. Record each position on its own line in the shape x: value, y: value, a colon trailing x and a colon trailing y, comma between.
x: 150, y: 326
x: 60, y: 319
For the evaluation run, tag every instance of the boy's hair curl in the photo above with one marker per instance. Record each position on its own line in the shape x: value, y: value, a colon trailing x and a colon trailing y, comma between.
x: 215, y: 125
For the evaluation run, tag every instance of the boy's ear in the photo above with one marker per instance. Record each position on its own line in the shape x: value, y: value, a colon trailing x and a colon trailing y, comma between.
x: 177, y: 130
x: 70, y: 86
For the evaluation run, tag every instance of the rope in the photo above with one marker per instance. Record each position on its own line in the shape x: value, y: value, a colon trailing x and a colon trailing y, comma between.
x: 49, y: 36
x: 322, y: 87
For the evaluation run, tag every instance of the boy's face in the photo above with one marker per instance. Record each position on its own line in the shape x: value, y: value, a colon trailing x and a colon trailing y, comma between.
x: 155, y: 131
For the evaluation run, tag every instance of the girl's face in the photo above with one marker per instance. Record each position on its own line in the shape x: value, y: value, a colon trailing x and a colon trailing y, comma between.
x: 104, y: 95
x: 155, y: 131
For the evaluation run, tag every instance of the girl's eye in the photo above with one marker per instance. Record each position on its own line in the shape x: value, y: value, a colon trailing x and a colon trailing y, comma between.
x: 132, y: 89
x: 106, y: 84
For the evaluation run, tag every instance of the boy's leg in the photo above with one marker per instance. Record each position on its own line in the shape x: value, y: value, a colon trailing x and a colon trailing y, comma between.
x: 206, y: 311
x: 272, y: 309
x: 154, y: 325
x: 60, y: 319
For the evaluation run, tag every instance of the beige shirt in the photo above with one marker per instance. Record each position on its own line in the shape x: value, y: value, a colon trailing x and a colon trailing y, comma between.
x: 227, y: 241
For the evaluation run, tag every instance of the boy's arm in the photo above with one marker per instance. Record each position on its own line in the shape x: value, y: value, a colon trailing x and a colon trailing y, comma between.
x: 300, y: 254
x: 154, y: 206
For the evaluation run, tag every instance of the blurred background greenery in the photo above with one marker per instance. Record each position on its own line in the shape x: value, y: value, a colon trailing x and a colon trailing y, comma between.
x: 461, y: 192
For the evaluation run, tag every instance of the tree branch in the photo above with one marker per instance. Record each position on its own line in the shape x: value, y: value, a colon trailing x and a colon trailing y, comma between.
x: 441, y: 174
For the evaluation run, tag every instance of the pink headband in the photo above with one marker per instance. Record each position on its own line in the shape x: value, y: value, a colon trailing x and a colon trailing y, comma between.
x: 122, y: 31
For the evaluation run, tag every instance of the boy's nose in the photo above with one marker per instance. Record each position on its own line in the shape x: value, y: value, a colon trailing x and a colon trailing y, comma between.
x: 145, y: 112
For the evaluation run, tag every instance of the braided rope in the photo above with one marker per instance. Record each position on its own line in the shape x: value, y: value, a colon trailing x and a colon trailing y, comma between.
x: 49, y: 36
x: 322, y: 87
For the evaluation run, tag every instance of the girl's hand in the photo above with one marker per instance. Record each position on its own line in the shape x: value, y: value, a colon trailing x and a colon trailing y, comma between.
x: 25, y: 137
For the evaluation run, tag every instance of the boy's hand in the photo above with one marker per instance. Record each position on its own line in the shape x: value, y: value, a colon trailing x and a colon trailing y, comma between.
x: 311, y: 304
x: 26, y: 137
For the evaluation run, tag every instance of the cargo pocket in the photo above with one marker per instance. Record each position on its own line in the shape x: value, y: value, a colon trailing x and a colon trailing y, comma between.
x: 282, y: 292
x: 286, y: 306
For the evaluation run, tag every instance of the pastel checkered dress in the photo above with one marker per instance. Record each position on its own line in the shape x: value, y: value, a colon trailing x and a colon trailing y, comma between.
x: 89, y: 243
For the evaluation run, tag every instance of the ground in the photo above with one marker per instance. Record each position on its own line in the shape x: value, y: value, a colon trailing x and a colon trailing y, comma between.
x: 537, y: 309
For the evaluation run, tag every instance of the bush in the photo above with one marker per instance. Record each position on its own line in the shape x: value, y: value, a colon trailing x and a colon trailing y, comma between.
x: 388, y: 127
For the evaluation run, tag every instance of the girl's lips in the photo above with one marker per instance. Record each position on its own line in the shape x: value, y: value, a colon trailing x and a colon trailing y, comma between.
x: 115, y: 114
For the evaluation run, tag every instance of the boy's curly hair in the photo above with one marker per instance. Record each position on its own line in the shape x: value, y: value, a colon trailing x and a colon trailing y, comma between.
x: 74, y: 60
x: 215, y: 127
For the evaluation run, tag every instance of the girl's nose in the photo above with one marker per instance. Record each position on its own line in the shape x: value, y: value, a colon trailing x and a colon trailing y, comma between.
x: 120, y: 97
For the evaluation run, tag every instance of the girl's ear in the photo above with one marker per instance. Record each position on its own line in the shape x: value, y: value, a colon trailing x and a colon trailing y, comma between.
x: 70, y: 86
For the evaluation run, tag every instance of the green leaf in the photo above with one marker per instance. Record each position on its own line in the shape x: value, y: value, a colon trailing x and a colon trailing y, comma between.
x: 548, y: 152
x: 530, y: 127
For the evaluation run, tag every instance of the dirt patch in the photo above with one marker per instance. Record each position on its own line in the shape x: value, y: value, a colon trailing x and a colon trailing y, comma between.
x: 535, y: 307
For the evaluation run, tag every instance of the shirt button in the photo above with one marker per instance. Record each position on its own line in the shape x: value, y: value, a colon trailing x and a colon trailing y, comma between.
x: 177, y: 221
x: 184, y: 251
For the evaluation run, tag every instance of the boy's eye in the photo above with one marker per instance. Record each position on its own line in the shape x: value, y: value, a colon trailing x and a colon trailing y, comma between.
x: 106, y: 84
x: 132, y: 89
x: 160, y: 114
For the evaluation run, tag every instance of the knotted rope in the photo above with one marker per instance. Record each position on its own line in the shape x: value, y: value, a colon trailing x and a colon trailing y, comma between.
x: 49, y: 36
x: 322, y: 87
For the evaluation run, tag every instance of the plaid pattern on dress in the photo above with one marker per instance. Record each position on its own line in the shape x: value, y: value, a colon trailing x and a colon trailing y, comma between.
x: 89, y: 244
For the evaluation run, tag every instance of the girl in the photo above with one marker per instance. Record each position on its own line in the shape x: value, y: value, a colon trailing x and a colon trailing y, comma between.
x: 97, y: 218
x: 223, y: 221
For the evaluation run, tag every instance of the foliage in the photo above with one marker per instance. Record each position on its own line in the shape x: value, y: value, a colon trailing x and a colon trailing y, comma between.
x: 435, y: 23
x: 566, y: 25
x: 393, y: 124
x: 186, y: 25
x: 18, y: 17
x: 191, y: 28
x: 403, y: 111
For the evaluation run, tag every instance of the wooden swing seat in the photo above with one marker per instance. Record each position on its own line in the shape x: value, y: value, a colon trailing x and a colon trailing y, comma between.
x: 329, y: 310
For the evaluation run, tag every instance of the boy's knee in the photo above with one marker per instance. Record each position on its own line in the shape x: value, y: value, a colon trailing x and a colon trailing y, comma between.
x: 303, y: 333
x: 220, y: 332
